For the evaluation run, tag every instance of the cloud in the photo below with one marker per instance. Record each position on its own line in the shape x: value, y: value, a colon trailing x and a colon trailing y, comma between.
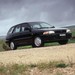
x: 5, y: 25
x: 56, y: 12
x: 33, y: 8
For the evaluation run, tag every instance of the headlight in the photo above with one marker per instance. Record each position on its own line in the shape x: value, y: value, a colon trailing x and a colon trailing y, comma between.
x: 68, y: 31
x: 48, y: 32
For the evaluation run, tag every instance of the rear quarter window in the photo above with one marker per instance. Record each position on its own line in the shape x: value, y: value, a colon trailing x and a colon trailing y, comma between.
x: 17, y: 29
x: 10, y: 30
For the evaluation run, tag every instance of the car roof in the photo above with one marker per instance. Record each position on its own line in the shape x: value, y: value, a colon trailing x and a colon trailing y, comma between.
x: 26, y: 23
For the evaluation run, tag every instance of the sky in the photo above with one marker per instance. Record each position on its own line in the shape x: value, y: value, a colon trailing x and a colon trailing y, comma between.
x: 55, y: 12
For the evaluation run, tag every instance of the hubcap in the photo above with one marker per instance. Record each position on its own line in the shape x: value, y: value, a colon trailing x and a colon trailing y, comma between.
x: 12, y: 45
x: 37, y: 41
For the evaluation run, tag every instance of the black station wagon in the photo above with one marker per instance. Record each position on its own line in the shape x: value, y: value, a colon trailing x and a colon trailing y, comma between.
x: 36, y: 34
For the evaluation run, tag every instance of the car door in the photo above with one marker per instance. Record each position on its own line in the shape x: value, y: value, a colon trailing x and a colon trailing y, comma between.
x: 16, y: 34
x: 26, y: 34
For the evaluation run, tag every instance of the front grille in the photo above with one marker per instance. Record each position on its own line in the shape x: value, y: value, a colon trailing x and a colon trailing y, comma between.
x: 60, y: 31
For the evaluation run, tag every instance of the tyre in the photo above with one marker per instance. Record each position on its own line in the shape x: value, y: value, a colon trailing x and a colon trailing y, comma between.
x: 63, y: 42
x: 12, y: 46
x: 37, y: 42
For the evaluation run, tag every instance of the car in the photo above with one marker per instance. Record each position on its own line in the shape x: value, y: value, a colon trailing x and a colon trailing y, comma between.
x: 36, y: 34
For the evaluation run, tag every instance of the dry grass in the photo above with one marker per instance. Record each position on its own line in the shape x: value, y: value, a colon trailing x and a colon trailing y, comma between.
x: 38, y: 55
x: 36, y: 61
x: 37, y: 69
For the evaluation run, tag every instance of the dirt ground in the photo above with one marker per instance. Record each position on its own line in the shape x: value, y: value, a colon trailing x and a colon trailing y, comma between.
x: 38, y: 55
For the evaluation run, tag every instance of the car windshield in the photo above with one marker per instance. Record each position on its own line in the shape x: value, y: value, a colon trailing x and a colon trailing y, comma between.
x: 40, y: 25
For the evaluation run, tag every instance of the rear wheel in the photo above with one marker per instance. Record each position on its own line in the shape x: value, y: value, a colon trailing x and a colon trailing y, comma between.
x: 63, y: 42
x: 12, y: 46
x: 37, y: 42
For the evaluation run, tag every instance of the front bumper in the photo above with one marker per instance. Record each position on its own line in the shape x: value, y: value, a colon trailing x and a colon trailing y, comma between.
x: 56, y: 37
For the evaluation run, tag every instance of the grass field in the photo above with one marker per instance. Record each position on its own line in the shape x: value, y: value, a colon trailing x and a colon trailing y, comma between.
x: 51, y: 68
x: 1, y: 45
x: 73, y: 33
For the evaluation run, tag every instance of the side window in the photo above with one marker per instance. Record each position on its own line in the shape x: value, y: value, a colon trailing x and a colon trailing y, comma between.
x: 36, y: 26
x: 17, y: 29
x: 11, y: 30
x: 24, y: 26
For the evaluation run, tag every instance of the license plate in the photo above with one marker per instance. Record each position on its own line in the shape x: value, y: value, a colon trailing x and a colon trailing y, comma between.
x: 62, y: 34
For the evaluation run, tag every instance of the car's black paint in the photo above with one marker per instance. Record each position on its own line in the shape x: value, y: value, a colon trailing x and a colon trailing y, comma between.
x: 27, y: 37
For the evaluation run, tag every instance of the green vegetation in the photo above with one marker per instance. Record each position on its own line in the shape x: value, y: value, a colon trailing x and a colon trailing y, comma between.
x: 1, y: 45
x: 73, y: 33
x: 54, y: 64
x: 14, y: 69
x: 22, y: 69
x: 61, y: 65
x: 3, y: 69
x: 72, y: 41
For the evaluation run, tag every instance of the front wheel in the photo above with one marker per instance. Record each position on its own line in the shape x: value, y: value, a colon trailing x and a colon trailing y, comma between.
x: 63, y: 42
x: 37, y: 42
x: 12, y: 46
